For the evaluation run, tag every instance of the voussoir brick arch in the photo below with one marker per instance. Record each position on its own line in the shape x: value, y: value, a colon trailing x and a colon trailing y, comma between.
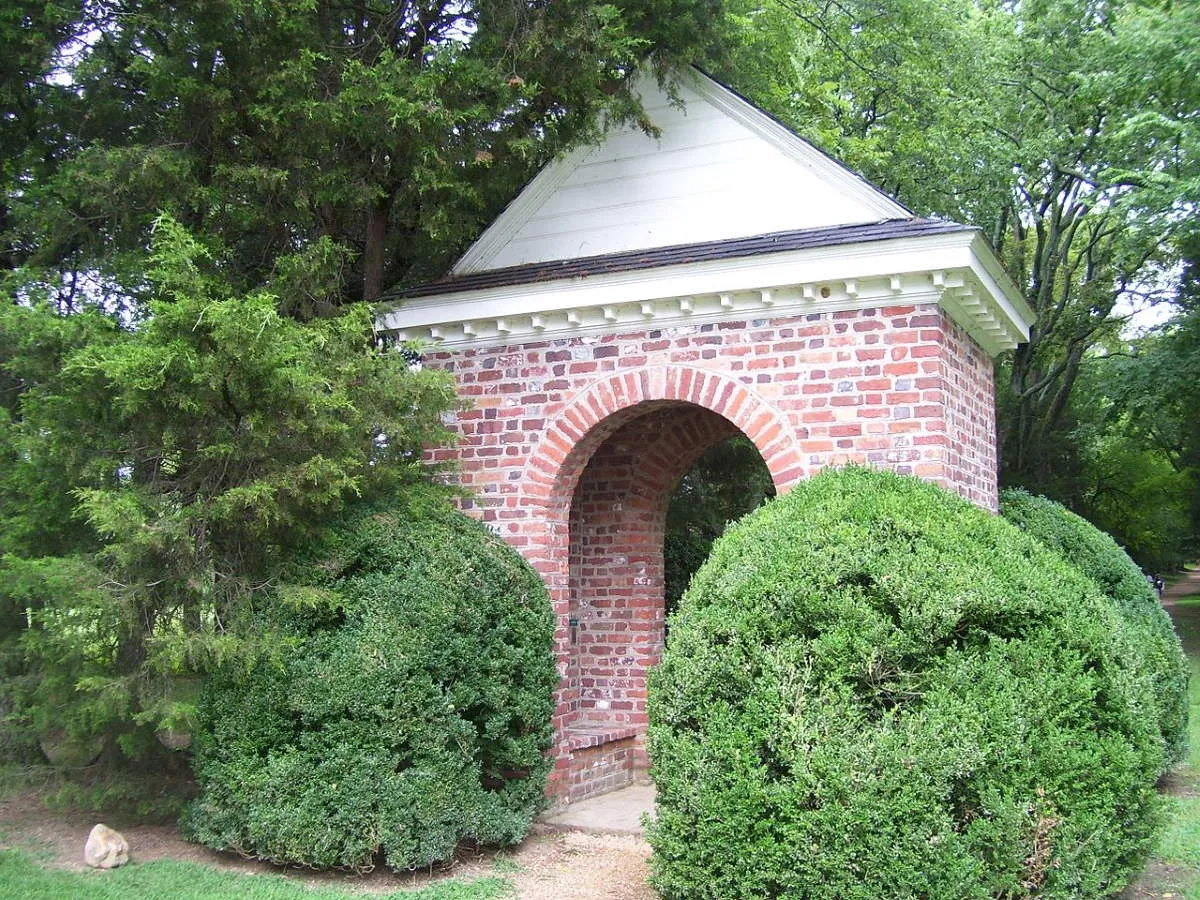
x: 601, y: 408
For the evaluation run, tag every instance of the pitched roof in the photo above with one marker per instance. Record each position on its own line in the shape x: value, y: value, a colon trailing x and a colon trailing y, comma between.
x: 724, y: 214
x: 719, y: 168
x: 678, y: 254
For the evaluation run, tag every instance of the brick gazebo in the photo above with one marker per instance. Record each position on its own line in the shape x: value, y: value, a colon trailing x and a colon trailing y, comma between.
x: 646, y: 298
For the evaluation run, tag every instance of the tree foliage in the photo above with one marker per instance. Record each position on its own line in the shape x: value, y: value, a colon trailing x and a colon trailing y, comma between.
x: 1069, y: 133
x: 1128, y: 458
x: 384, y: 134
x: 154, y: 473
x: 190, y: 198
x: 1110, y: 198
x: 1151, y: 400
x: 727, y: 482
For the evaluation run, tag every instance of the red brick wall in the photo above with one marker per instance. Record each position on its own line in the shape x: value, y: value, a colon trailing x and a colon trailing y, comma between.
x: 573, y: 447
x: 969, y: 398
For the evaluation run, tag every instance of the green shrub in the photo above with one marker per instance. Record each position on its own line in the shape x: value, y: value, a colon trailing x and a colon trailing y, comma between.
x: 874, y: 689
x: 407, y: 709
x: 1101, y: 559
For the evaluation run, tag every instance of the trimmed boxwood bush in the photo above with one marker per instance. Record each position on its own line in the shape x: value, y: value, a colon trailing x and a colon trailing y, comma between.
x: 407, y: 706
x: 874, y: 689
x: 1101, y: 559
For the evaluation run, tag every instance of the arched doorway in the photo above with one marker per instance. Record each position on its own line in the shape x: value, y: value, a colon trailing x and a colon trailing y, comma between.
x: 594, y: 497
x: 616, y: 580
x: 617, y: 521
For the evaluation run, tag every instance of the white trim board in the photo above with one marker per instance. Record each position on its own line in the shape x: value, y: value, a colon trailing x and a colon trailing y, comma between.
x: 955, y: 270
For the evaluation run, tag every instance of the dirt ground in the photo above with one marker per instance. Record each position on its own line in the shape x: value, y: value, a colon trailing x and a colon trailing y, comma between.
x: 548, y: 865
x: 1186, y: 586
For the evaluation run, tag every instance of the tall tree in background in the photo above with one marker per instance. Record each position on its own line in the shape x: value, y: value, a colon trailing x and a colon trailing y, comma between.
x: 1068, y: 132
x: 1109, y: 165
x: 1140, y: 434
x: 376, y: 137
x: 30, y: 33
x: 899, y: 90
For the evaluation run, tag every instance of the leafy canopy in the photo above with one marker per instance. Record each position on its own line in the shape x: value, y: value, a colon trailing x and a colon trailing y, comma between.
x: 190, y: 198
x: 393, y: 131
x: 1068, y: 132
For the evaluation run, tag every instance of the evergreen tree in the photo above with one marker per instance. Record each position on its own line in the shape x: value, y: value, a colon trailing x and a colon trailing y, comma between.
x: 191, y: 198
x: 154, y: 477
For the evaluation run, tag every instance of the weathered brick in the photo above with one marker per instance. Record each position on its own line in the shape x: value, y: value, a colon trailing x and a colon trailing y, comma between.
x: 572, y: 447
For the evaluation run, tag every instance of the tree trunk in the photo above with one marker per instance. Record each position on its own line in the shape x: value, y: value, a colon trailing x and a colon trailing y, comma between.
x: 373, y: 252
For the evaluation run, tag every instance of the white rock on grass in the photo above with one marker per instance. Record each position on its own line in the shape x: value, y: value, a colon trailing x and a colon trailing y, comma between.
x: 105, y: 848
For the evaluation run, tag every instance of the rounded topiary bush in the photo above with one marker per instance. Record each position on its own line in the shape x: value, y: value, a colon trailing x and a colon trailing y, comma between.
x: 1101, y: 559
x: 874, y: 689
x: 406, y: 707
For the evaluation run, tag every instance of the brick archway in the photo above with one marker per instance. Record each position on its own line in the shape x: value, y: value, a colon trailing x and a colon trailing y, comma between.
x: 598, y: 410
x: 901, y: 387
x: 597, y: 486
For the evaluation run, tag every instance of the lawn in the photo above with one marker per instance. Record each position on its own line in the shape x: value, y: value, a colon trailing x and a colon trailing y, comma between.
x: 21, y: 876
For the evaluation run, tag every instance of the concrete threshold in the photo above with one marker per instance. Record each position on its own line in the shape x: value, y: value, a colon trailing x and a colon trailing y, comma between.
x: 616, y: 812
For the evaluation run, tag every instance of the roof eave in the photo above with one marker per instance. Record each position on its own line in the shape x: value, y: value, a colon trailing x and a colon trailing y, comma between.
x: 949, y: 268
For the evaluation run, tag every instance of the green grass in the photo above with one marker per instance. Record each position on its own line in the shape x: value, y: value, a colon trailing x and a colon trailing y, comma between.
x: 1192, y: 766
x: 1179, y: 845
x: 21, y: 877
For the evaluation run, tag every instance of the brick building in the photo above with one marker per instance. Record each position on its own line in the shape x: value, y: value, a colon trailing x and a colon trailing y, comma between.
x: 646, y: 298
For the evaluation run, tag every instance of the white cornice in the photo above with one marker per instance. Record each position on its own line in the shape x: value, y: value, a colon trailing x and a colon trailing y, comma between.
x: 999, y: 285
x: 950, y: 269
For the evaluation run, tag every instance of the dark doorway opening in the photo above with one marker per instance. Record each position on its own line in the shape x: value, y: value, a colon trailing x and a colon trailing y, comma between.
x: 727, y: 482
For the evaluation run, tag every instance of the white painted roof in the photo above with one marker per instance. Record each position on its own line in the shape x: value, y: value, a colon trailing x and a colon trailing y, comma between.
x: 719, y: 169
